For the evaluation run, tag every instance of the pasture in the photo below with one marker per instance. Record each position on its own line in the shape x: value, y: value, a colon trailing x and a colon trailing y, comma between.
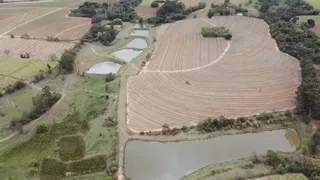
x: 190, y: 78
x: 316, y: 29
x: 22, y: 69
x: 314, y: 3
x: 284, y: 177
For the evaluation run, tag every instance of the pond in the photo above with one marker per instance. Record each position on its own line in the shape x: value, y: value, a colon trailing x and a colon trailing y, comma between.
x: 140, y: 26
x: 126, y: 54
x: 104, y: 68
x: 171, y: 161
x: 144, y: 33
x: 137, y: 43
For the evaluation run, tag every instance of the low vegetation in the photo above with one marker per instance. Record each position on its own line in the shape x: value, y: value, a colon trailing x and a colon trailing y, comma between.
x: 216, y: 32
x: 71, y: 147
x: 223, y: 123
x: 41, y: 103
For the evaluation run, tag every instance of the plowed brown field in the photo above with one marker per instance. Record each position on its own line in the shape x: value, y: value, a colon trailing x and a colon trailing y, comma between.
x: 36, y: 48
x: 190, y: 78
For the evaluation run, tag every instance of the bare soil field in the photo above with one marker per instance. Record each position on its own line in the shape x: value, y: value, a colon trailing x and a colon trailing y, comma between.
x: 146, y: 10
x: 190, y: 78
x: 37, y: 48
x: 55, y: 24
x: 10, y: 22
x: 7, y: 13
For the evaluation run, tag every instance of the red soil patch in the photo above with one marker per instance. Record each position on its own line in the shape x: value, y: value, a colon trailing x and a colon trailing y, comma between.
x: 146, y: 10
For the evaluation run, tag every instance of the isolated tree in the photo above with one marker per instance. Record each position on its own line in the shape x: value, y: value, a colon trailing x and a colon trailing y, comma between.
x: 154, y: 4
x: 311, y: 23
x: 66, y: 63
x: 7, y: 52
x: 42, y: 127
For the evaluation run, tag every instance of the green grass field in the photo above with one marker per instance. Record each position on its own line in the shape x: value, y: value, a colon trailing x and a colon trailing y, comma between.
x: 13, y: 106
x: 146, y: 3
x: 23, y: 69
x: 317, y: 20
x: 243, y: 169
x: 314, y: 3
x: 284, y: 177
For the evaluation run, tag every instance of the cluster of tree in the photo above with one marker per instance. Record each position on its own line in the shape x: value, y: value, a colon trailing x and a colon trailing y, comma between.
x: 226, y: 9
x: 25, y: 55
x: 216, y: 32
x: 315, y: 143
x: 41, y: 103
x: 300, y: 43
x: 292, y: 163
x: 124, y: 10
x: 116, y: 22
x: 172, y: 11
x: 102, y: 34
x: 66, y: 63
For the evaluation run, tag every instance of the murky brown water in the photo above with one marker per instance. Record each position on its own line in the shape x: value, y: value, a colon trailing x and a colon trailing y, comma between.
x: 171, y: 161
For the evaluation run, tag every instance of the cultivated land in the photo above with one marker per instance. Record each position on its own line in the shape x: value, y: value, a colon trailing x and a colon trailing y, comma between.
x: 37, y: 48
x: 190, y: 78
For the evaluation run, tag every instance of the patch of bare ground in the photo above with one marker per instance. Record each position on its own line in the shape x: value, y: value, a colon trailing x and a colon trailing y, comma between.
x: 190, y: 78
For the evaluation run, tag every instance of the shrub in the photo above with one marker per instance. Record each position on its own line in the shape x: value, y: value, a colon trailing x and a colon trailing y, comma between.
x: 14, y: 87
x: 42, y: 127
x: 116, y: 21
x: 154, y: 4
x: 33, y: 171
x: 110, y: 77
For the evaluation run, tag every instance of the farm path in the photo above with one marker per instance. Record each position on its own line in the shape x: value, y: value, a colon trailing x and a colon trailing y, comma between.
x: 39, y: 17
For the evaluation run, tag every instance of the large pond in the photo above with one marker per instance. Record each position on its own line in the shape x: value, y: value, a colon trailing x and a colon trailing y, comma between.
x: 126, y: 54
x: 144, y: 33
x: 137, y: 43
x: 104, y: 68
x: 171, y: 161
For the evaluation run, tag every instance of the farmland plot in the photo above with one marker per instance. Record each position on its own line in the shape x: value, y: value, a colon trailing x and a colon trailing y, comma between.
x: 19, y: 17
x: 190, y: 78
x: 56, y: 24
x: 37, y: 48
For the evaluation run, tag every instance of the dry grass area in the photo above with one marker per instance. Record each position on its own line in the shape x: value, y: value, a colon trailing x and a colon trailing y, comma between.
x: 190, y: 78
x: 7, y: 13
x: 37, y: 48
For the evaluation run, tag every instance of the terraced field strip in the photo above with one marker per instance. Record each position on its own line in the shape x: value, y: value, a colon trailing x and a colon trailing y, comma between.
x: 56, y: 24
x: 8, y: 24
x: 37, y: 48
x: 190, y: 78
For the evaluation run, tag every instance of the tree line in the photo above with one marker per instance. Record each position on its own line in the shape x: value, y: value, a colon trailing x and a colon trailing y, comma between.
x: 300, y: 43
x: 124, y: 10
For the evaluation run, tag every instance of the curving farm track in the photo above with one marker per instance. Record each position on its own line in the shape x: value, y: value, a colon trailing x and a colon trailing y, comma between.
x: 190, y: 78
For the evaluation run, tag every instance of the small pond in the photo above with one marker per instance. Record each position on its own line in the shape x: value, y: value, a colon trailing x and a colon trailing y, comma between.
x: 137, y: 43
x: 171, y: 161
x: 144, y: 33
x: 140, y: 26
x: 126, y: 54
x: 104, y: 68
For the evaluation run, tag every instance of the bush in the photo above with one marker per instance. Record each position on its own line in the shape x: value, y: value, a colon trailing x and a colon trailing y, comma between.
x: 154, y: 4
x: 110, y: 77
x: 116, y: 22
x: 216, y: 32
x: 66, y: 64
x: 42, y: 127
x: 14, y: 87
